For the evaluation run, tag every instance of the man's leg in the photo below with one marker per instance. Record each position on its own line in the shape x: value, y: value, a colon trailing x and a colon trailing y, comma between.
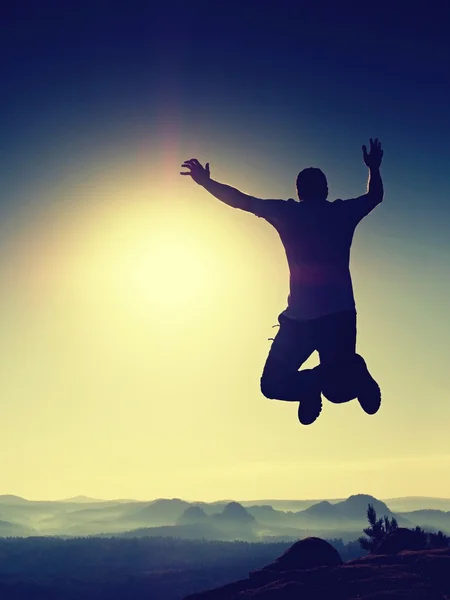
x: 344, y: 374
x: 336, y: 341
x: 281, y: 379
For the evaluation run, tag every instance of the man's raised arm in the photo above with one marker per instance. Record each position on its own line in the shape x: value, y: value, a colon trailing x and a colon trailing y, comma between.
x: 360, y: 207
x: 373, y: 160
x: 225, y: 193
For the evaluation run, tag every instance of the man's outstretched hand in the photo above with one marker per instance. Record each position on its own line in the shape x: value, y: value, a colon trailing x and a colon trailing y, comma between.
x: 375, y: 154
x: 198, y: 173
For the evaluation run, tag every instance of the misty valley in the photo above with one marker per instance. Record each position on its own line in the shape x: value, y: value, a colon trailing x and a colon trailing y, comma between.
x: 169, y: 548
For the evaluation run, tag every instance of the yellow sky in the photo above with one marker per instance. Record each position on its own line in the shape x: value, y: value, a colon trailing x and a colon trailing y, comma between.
x: 134, y: 327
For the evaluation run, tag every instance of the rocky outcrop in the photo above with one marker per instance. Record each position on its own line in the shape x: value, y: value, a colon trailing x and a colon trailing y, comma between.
x: 412, y: 575
x: 308, y: 553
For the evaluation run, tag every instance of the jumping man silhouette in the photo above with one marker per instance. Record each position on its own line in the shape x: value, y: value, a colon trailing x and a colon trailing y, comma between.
x: 321, y: 314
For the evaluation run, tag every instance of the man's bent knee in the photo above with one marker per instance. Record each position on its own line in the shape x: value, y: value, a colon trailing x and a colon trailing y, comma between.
x: 269, y: 387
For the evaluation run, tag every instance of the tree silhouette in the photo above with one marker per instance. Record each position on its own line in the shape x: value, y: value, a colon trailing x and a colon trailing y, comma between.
x: 377, y: 530
x: 438, y: 540
x: 421, y: 535
x: 380, y: 527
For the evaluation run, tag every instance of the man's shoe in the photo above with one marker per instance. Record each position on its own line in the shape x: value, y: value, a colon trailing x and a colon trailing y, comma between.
x: 310, y: 405
x: 338, y: 382
x: 369, y: 393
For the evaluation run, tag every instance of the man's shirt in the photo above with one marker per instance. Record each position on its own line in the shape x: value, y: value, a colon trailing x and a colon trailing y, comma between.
x: 317, y: 237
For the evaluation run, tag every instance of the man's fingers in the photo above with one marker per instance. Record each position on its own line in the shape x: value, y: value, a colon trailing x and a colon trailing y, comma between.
x: 375, y: 142
x: 193, y: 163
x: 184, y: 173
x: 196, y: 163
x: 364, y: 149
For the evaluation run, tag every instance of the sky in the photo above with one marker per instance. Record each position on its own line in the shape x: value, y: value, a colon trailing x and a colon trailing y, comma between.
x: 135, y: 309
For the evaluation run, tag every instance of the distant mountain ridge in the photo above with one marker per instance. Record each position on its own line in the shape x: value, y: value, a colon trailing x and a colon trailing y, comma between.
x: 81, y: 499
x: 411, y: 503
x: 429, y: 519
x: 396, y: 504
x: 10, y: 498
x: 82, y: 515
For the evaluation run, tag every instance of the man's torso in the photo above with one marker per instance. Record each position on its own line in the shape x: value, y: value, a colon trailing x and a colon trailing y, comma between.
x: 317, y: 240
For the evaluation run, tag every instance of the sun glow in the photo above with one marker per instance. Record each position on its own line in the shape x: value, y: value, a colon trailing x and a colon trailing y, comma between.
x: 166, y: 270
x: 135, y: 317
x: 123, y: 251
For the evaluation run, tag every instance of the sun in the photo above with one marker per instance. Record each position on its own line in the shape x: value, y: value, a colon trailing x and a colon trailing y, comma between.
x: 128, y: 257
x: 136, y: 259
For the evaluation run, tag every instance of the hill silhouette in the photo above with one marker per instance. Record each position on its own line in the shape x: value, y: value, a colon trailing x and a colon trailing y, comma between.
x: 324, y: 512
x: 192, y: 514
x: 430, y: 519
x: 236, y: 513
x: 164, y: 510
x: 356, y: 506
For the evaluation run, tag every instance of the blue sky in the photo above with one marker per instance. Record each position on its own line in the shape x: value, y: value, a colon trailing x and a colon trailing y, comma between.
x: 103, y: 99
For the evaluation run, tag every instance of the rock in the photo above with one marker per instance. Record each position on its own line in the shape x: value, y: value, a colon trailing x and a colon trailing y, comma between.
x: 306, y: 554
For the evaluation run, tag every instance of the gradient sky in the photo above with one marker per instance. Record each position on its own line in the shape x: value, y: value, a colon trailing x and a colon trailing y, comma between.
x: 135, y: 309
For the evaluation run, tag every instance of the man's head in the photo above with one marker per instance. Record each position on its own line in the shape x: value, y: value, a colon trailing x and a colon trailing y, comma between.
x: 312, y: 185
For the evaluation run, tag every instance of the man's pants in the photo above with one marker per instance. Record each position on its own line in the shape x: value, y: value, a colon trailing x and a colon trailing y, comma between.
x: 333, y: 336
